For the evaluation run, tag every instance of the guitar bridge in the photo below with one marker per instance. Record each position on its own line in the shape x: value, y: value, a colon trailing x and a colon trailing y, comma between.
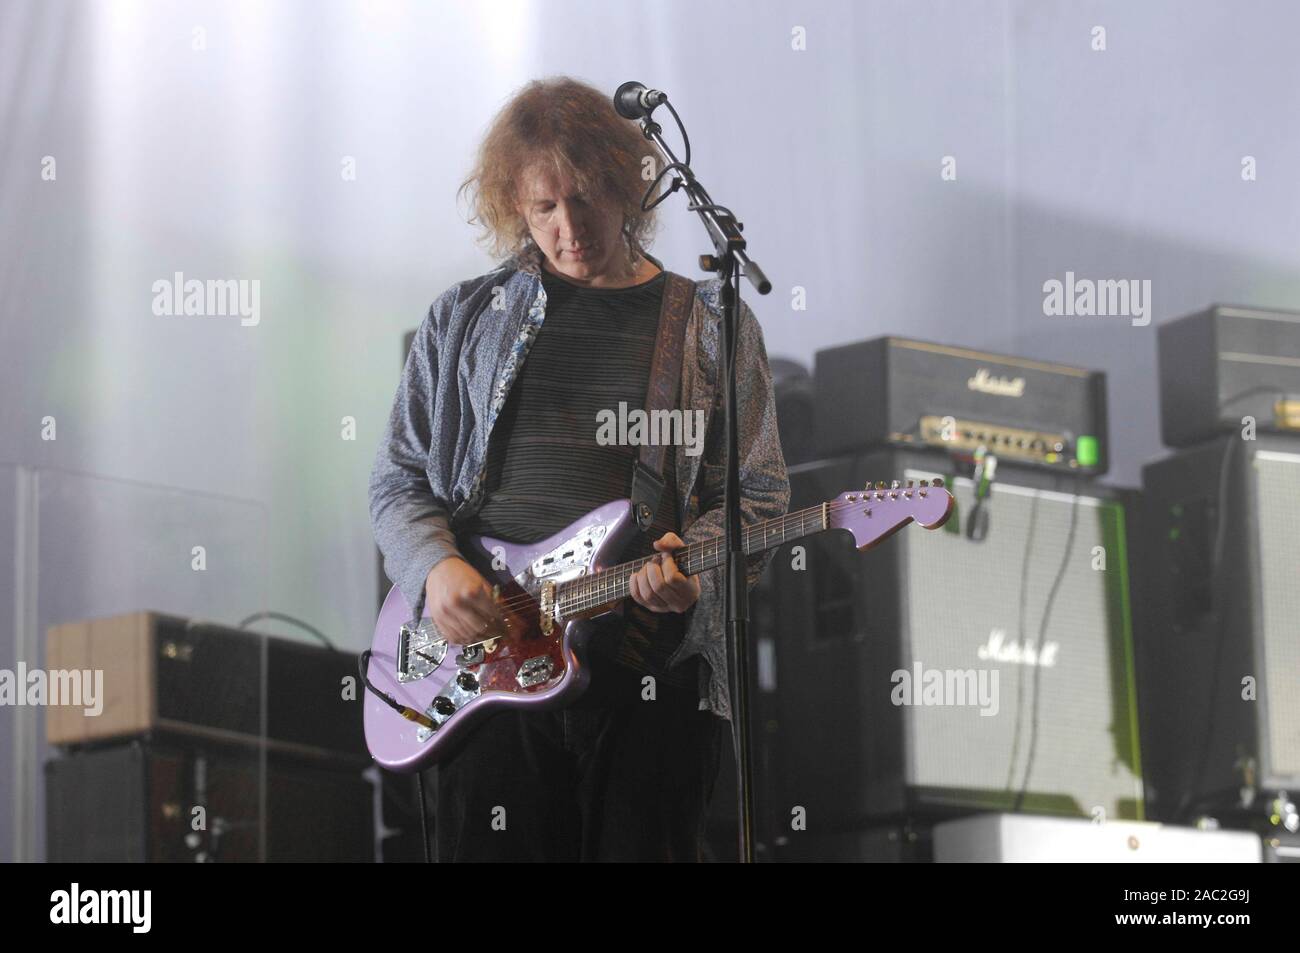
x: 419, y: 651
x: 546, y: 608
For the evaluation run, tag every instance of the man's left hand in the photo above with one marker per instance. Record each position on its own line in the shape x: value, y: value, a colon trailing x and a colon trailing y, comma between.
x: 659, y: 585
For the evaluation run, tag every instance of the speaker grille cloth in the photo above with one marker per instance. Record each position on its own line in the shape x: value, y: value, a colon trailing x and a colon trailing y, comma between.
x: 965, y: 595
x: 1278, y: 484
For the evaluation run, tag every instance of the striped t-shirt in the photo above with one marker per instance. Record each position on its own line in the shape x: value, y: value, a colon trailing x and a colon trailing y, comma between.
x: 546, y: 469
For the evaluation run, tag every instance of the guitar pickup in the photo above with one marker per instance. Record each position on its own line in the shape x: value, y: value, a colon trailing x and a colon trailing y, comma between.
x: 535, y: 671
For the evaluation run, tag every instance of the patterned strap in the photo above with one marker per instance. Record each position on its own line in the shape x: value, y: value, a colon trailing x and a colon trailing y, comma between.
x: 665, y: 374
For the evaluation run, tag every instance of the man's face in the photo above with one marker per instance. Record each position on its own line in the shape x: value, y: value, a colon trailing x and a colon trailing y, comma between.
x: 580, y: 235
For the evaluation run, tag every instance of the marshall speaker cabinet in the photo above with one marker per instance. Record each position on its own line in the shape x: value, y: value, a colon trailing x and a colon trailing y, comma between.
x: 944, y: 673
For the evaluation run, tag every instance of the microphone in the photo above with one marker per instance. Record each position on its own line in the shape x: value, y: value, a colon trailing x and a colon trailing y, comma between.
x: 633, y: 100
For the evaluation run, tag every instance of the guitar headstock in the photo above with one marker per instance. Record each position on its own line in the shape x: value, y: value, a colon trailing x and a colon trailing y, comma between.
x: 882, y: 509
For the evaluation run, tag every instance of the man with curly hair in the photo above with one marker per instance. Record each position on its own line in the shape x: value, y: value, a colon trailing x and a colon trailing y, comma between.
x: 494, y: 432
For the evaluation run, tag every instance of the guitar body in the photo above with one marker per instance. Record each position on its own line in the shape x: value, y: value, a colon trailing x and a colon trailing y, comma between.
x: 524, y: 668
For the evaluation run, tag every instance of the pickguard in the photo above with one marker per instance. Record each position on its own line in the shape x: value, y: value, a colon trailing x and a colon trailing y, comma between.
x: 525, y: 660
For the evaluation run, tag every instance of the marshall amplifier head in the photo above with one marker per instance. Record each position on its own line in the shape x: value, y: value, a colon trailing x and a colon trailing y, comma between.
x: 893, y: 391
x: 1226, y: 364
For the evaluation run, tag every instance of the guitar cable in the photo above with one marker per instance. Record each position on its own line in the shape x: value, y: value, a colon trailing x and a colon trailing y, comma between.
x: 406, y: 711
x: 977, y: 521
x: 424, y: 820
x: 410, y: 714
x: 291, y: 620
x: 1042, y: 636
x: 1021, y: 612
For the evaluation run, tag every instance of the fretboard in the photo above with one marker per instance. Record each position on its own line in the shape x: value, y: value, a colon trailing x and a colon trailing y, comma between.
x: 611, y: 584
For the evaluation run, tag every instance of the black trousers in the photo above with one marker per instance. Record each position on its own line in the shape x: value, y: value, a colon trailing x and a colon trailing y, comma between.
x: 613, y: 777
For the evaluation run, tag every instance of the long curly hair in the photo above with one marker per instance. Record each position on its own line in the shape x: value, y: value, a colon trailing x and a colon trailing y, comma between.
x: 571, y: 128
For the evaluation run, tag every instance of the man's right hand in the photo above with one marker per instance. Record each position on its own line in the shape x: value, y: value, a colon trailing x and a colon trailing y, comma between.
x: 459, y: 600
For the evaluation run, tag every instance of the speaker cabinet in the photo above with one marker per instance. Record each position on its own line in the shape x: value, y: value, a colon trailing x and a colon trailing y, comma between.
x: 166, y: 674
x: 1016, y: 648
x: 190, y: 802
x: 1220, y: 660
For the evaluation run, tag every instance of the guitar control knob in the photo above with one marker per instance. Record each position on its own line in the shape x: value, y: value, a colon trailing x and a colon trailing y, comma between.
x: 443, y: 705
x: 467, y: 681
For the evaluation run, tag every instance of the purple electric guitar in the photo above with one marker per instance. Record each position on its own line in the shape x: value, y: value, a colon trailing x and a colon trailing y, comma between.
x: 426, y: 694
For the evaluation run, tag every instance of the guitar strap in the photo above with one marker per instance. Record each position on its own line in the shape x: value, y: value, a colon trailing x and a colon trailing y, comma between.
x: 661, y: 393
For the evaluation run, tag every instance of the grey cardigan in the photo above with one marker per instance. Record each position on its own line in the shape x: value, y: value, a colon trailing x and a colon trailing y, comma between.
x: 429, y: 470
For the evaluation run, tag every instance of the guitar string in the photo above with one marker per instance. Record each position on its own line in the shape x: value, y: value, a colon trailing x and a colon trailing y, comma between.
x: 603, y: 591
x: 599, y: 588
x: 592, y: 591
x: 593, y: 588
x: 614, y: 572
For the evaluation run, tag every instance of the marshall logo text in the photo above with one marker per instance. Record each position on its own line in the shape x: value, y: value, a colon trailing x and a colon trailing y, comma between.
x: 998, y: 649
x: 986, y: 383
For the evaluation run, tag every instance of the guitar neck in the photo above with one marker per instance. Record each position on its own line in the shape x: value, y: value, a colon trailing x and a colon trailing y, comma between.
x: 611, y: 584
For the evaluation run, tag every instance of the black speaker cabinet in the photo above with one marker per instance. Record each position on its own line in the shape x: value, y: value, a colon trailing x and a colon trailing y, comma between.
x: 188, y: 802
x: 172, y: 675
x: 936, y: 674
x: 1220, y: 653
x: 792, y: 391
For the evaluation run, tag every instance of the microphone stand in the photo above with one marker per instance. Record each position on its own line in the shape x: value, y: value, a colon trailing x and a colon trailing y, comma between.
x: 728, y: 253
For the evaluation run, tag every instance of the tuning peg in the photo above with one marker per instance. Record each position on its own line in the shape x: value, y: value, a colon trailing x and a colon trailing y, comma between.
x: 894, y: 485
x: 910, y: 484
x: 881, y: 485
x: 938, y: 481
x: 925, y: 483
